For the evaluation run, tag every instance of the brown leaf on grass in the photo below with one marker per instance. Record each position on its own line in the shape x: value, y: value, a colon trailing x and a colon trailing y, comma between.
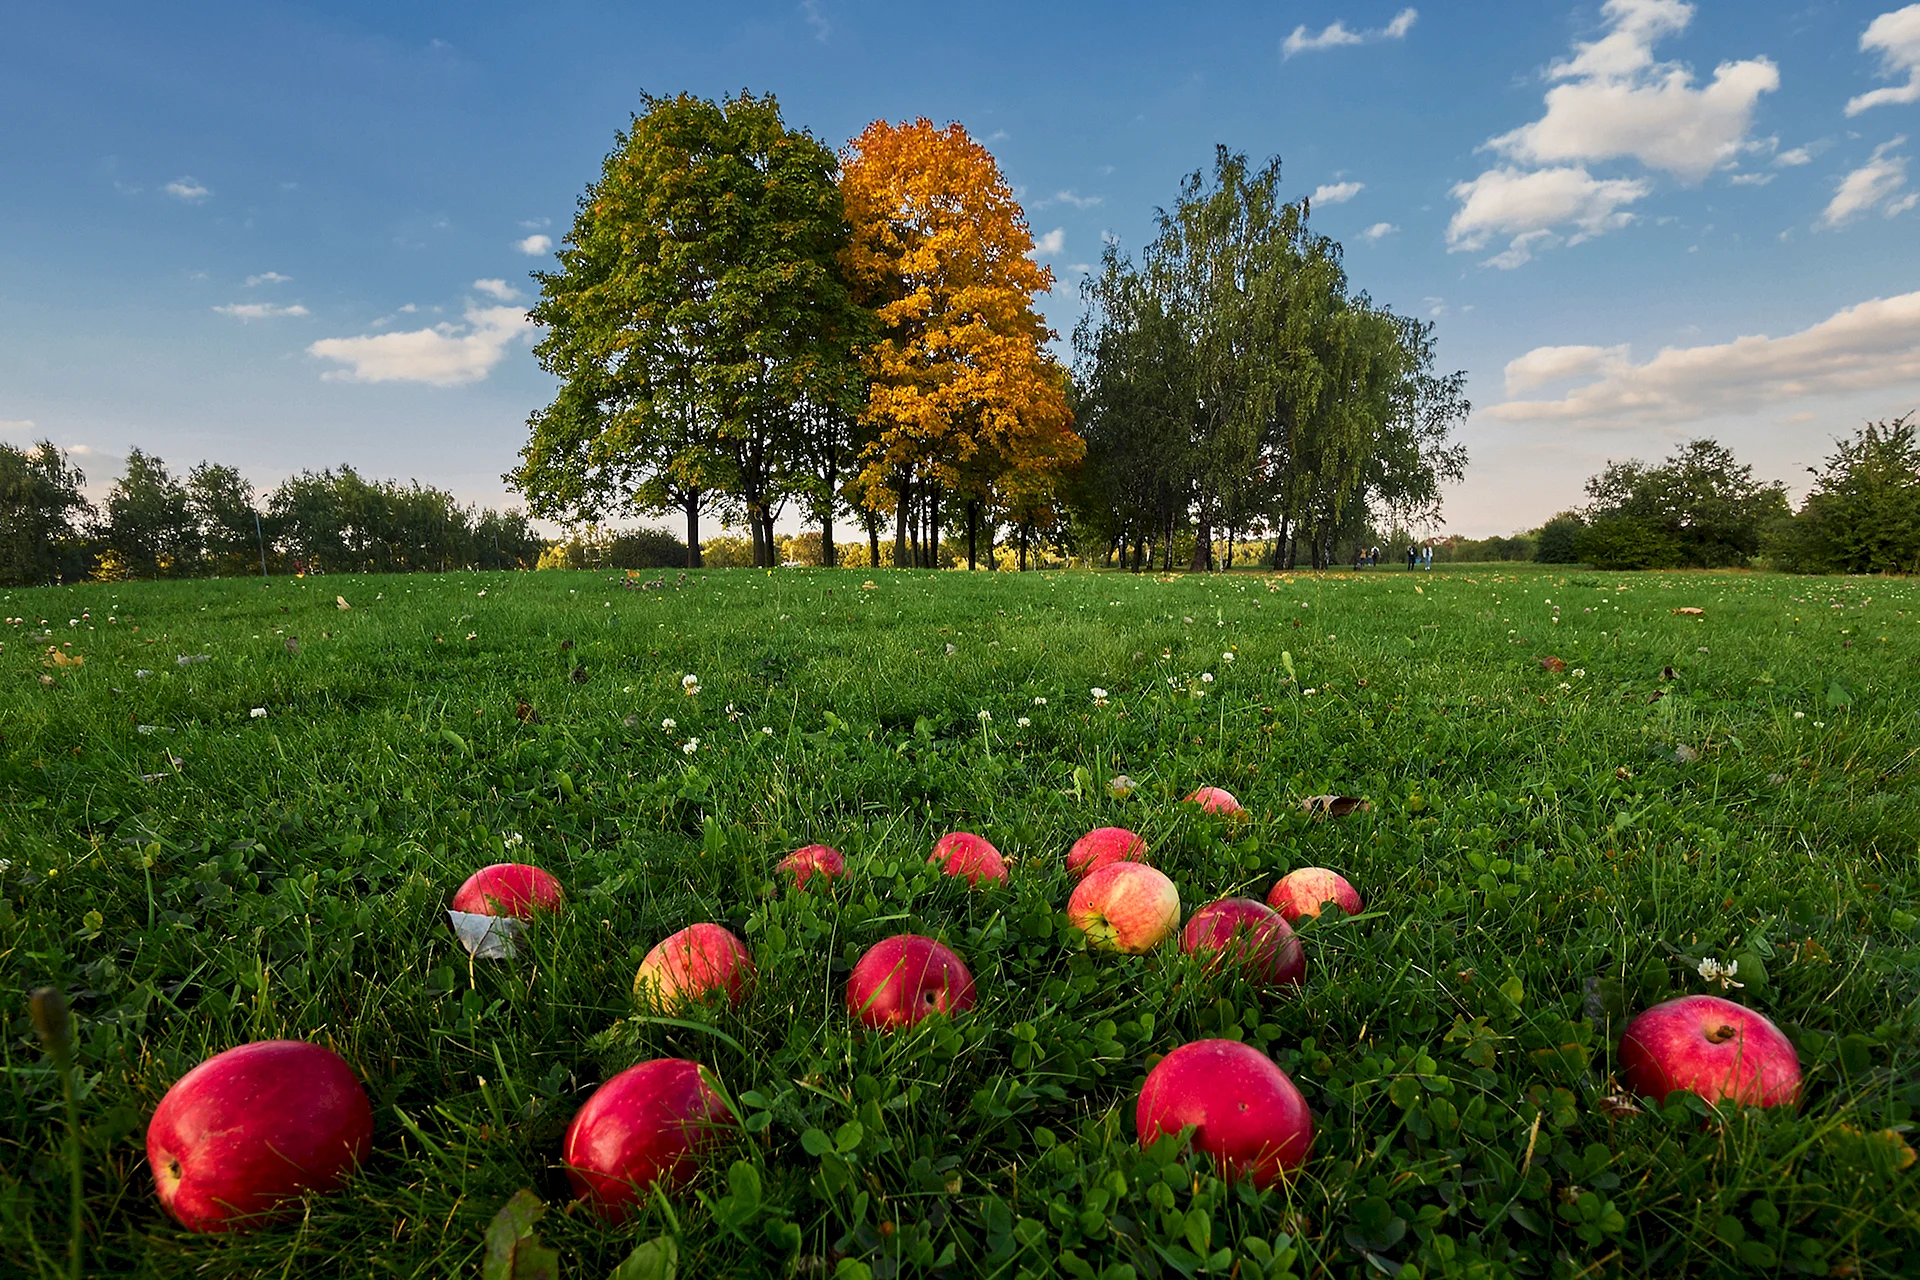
x: 1553, y: 666
x: 525, y: 713
x: 1619, y: 1104
x: 1334, y: 806
x: 291, y: 644
x: 340, y: 602
x: 566, y: 645
x: 579, y: 675
x: 1668, y: 673
x: 1656, y: 695
x: 1691, y: 612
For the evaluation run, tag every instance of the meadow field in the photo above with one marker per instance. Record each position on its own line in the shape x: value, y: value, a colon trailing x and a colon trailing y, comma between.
x: 236, y: 810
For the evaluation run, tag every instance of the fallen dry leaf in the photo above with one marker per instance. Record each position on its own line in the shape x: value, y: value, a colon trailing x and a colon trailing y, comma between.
x: 1668, y: 673
x: 1334, y: 806
x: 340, y: 602
x: 1691, y: 612
x: 1619, y: 1104
x: 579, y: 675
x: 292, y: 644
x: 1552, y: 665
x: 525, y: 713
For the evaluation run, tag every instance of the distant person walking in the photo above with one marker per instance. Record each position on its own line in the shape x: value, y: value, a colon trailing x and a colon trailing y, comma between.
x: 1413, y: 557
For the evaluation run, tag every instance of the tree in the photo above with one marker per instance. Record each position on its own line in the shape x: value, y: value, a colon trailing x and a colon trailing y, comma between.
x: 963, y: 400
x: 148, y: 529
x: 41, y: 514
x: 1863, y: 515
x: 1699, y: 509
x: 699, y: 324
x: 220, y: 504
x: 1554, y: 541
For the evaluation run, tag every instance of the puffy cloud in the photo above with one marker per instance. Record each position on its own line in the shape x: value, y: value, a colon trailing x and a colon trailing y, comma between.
x: 499, y: 290
x: 1377, y: 232
x: 1874, y: 185
x: 1051, y: 243
x: 187, y: 189
x: 1336, y: 34
x: 446, y: 355
x: 1794, y: 158
x: 267, y: 277
x: 21, y: 425
x: 534, y: 246
x: 1338, y: 193
x: 1867, y: 347
x: 1528, y: 206
x: 1614, y: 101
x: 260, y: 310
x: 1073, y: 198
x: 1896, y: 38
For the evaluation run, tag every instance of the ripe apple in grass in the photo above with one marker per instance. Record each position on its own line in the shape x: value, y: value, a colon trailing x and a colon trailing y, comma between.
x: 902, y: 979
x: 509, y: 889
x: 1125, y: 906
x: 1103, y: 845
x: 253, y: 1127
x: 1245, y: 1111
x: 1307, y: 890
x: 691, y: 965
x: 814, y: 860
x: 1217, y: 800
x: 969, y: 856
x: 1250, y: 936
x: 645, y: 1125
x: 1712, y: 1047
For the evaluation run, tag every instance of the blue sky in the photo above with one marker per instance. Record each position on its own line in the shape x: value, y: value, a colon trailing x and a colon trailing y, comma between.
x: 293, y: 236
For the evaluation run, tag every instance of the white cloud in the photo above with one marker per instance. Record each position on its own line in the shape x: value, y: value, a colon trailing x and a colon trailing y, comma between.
x: 534, y: 246
x: 1073, y: 198
x: 1752, y: 179
x: 1794, y: 158
x: 267, y: 277
x: 1896, y: 37
x: 1867, y: 347
x: 1336, y: 34
x: 1051, y: 243
x: 535, y: 224
x: 187, y: 189
x: 1378, y: 231
x: 816, y: 19
x: 1874, y: 185
x: 499, y: 290
x: 1528, y: 206
x: 260, y: 310
x: 1338, y: 193
x: 1614, y: 101
x: 17, y: 424
x: 446, y: 355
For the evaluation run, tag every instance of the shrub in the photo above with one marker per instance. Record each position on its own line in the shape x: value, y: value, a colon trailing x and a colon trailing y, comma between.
x: 1554, y: 542
x: 1625, y: 543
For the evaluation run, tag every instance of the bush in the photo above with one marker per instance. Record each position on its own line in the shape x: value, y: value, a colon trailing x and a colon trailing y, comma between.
x: 1554, y: 542
x: 645, y: 549
x: 1625, y: 543
x: 727, y: 553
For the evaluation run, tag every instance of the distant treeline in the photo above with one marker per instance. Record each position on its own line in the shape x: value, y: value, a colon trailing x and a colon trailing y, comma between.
x: 210, y: 522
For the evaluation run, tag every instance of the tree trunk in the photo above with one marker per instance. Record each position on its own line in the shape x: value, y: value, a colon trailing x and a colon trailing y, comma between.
x: 1202, y: 541
x: 1230, y: 533
x: 873, y: 540
x: 900, y: 516
x: 829, y: 554
x: 693, y: 530
x: 973, y: 533
x: 933, y: 530
x: 1023, y: 548
x: 1280, y: 543
x: 766, y: 537
x: 987, y: 529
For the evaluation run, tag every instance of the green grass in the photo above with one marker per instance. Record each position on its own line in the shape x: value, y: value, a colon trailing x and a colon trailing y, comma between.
x: 1545, y: 851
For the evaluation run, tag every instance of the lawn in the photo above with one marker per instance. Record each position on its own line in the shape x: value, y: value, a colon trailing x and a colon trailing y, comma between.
x: 1547, y: 851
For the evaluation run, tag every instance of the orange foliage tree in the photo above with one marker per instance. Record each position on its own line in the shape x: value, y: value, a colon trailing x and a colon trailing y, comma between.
x: 964, y: 402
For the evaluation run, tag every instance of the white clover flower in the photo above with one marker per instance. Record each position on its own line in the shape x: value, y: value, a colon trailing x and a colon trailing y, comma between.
x: 258, y: 713
x: 669, y: 724
x: 1309, y: 692
x: 1579, y: 672
x: 1714, y: 971
x: 483, y: 593
x: 690, y: 685
x: 1226, y: 657
x: 690, y: 746
x: 1121, y: 787
x: 767, y: 730
x: 514, y: 839
x: 473, y: 635
x: 1099, y: 697
x: 1799, y: 715
x: 1206, y: 677
x: 951, y: 651
x: 1564, y: 686
x: 1039, y: 702
x: 986, y: 717
x: 1022, y: 722
x: 732, y: 713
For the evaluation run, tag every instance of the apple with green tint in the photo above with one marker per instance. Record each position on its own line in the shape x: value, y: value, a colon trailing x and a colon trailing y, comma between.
x: 1307, y: 891
x: 1103, y: 845
x: 699, y: 961
x: 970, y: 857
x: 1125, y: 906
x: 819, y: 860
x: 251, y: 1128
x: 1249, y: 937
x: 1245, y: 1111
x: 902, y: 979
x: 1217, y: 800
x: 647, y: 1125
x: 1711, y: 1047
x: 509, y: 889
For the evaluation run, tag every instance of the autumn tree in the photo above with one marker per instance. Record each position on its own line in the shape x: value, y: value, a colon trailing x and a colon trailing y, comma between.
x: 699, y: 324
x: 964, y: 404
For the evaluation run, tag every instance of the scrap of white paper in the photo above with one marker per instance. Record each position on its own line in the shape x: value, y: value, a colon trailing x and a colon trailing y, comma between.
x: 486, y: 937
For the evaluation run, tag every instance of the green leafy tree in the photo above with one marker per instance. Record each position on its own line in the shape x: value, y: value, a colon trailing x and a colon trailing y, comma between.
x: 699, y: 324
x: 1701, y: 508
x: 149, y: 530
x: 1553, y: 542
x: 220, y: 502
x: 42, y: 511
x: 1863, y: 515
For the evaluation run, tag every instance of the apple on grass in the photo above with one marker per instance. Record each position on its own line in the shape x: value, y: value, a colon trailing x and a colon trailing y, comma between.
x: 1217, y: 800
x: 1307, y: 890
x: 251, y: 1128
x: 970, y: 857
x: 692, y: 964
x: 1125, y: 906
x: 1245, y: 1111
x: 508, y: 889
x: 1251, y: 937
x: 814, y: 860
x: 645, y: 1125
x: 1103, y: 845
x: 1711, y: 1047
x: 902, y: 979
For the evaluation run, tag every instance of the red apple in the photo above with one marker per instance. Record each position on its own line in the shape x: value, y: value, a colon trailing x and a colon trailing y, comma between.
x: 508, y: 889
x: 691, y: 965
x: 902, y: 979
x: 643, y: 1126
x: 1712, y: 1047
x: 1125, y: 906
x: 1216, y: 800
x: 253, y: 1127
x: 969, y: 856
x: 1103, y: 845
x: 1245, y: 1112
x: 814, y: 860
x: 1250, y: 936
x: 1307, y: 890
